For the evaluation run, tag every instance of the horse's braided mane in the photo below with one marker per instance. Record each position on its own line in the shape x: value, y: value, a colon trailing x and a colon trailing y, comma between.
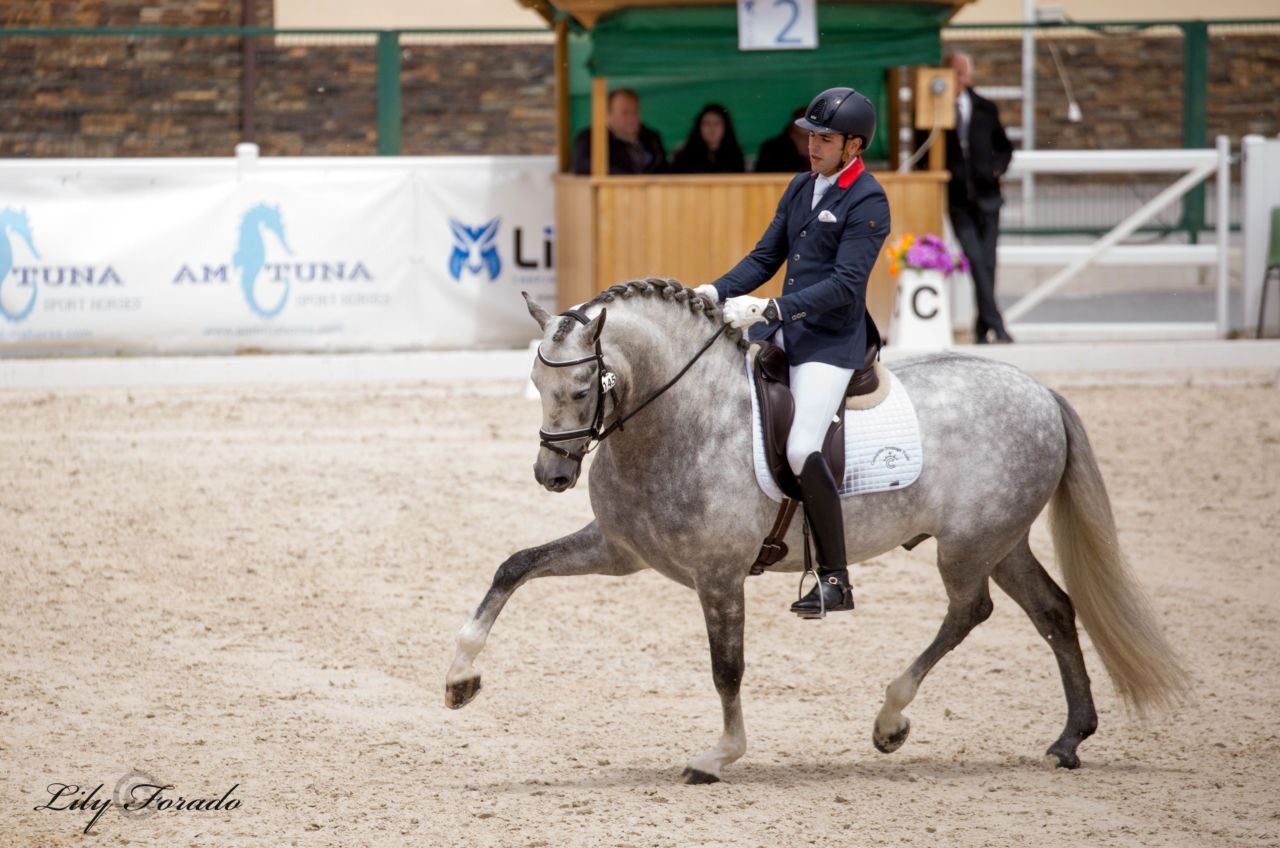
x: 669, y: 290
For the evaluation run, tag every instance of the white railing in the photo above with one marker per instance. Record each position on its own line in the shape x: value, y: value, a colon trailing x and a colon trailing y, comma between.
x: 1260, y: 190
x: 1194, y: 165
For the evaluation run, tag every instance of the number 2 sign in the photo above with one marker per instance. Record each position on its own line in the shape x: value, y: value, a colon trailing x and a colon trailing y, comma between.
x: 777, y: 25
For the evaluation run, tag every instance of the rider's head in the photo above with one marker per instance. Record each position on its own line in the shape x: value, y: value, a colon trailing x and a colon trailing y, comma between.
x: 841, y: 123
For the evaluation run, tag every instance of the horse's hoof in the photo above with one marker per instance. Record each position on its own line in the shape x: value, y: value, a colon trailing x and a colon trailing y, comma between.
x: 693, y: 777
x: 461, y: 692
x: 1057, y: 757
x: 892, y: 742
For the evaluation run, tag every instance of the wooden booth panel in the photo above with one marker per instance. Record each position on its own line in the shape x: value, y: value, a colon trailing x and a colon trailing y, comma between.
x: 692, y: 229
x: 695, y: 228
x: 575, y: 241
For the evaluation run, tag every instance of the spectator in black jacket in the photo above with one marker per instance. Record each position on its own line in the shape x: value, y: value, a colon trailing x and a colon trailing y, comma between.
x: 978, y: 154
x: 712, y: 146
x: 788, y: 151
x: 633, y: 147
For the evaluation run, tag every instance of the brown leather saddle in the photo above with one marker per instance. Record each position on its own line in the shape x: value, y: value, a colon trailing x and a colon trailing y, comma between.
x: 772, y: 375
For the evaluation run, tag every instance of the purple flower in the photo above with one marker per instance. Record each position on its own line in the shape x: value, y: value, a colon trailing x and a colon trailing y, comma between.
x: 930, y: 253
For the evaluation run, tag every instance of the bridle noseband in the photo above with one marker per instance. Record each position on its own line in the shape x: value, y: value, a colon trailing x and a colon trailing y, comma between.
x: 608, y: 382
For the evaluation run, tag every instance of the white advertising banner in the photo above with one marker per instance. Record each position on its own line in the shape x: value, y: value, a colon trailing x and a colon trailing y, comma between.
x: 217, y: 256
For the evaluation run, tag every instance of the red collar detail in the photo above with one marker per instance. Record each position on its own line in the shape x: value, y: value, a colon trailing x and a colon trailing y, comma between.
x: 851, y: 173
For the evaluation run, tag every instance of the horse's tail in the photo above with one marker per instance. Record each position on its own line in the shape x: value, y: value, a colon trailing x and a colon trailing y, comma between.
x: 1144, y: 668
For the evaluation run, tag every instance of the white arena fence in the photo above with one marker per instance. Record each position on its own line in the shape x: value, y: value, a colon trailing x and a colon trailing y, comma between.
x: 1191, y: 167
x: 243, y: 253
x: 1261, y: 189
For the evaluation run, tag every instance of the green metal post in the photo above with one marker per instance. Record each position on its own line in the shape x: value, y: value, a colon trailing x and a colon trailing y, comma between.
x: 1195, y: 113
x: 389, y: 93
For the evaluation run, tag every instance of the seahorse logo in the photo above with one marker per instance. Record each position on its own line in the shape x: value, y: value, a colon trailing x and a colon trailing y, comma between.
x: 16, y: 222
x: 251, y: 254
x: 474, y: 250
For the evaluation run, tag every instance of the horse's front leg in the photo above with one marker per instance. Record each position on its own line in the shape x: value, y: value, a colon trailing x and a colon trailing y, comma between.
x: 723, y: 607
x: 584, y: 552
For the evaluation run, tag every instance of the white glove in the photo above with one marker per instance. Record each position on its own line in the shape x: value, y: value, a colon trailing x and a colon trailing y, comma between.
x: 708, y: 291
x: 743, y: 311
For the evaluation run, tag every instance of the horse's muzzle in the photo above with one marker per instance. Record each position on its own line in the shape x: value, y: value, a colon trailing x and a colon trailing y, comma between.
x: 555, y: 473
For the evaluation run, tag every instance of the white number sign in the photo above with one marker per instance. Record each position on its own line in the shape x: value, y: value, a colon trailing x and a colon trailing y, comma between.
x: 777, y: 25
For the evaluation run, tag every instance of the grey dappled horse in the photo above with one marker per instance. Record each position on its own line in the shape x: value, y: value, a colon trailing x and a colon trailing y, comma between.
x: 675, y: 491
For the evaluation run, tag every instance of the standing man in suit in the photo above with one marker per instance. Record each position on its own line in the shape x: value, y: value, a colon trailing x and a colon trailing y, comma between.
x: 978, y: 154
x: 828, y: 229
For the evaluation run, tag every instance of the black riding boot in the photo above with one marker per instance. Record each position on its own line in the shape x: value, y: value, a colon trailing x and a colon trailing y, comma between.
x: 822, y: 511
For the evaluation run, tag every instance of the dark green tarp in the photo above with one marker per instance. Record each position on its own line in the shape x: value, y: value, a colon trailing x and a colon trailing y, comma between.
x: 679, y: 59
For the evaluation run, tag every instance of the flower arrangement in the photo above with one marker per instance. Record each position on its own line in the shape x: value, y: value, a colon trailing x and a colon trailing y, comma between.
x: 927, y: 253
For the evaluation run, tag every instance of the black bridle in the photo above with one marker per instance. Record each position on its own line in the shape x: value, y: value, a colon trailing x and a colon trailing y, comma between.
x: 607, y: 383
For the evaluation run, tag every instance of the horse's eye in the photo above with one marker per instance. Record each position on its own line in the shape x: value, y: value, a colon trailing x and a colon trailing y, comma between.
x: 581, y: 394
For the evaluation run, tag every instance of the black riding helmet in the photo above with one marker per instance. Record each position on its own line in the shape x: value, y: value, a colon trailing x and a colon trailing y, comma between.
x: 841, y: 111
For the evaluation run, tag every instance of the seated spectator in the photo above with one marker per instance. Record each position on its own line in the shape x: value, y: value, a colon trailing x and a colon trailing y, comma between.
x: 633, y: 147
x: 786, y: 152
x: 712, y: 146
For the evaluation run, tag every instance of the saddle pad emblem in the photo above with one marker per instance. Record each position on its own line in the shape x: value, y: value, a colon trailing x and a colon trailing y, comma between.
x: 881, y: 445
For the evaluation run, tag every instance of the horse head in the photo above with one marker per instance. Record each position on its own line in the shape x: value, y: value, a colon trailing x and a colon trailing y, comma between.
x: 573, y: 382
x: 591, y: 386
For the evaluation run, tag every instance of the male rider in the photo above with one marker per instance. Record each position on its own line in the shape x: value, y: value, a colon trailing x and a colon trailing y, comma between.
x: 828, y: 229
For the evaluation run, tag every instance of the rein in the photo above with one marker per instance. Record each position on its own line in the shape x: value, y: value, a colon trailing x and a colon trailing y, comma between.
x: 608, y: 383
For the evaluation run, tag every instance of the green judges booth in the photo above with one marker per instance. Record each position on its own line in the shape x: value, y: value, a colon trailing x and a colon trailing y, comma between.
x: 679, y: 56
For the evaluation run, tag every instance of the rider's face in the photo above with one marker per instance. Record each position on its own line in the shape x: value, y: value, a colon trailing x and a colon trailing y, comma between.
x: 829, y: 151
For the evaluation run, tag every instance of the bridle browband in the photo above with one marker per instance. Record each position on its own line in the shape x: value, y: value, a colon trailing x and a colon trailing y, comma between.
x: 607, y: 383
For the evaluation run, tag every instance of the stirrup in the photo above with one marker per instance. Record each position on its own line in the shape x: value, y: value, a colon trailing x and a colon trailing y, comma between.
x: 800, y: 593
x: 843, y: 599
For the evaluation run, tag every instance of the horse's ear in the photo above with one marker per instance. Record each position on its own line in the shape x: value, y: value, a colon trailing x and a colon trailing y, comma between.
x: 596, y: 325
x: 539, y: 314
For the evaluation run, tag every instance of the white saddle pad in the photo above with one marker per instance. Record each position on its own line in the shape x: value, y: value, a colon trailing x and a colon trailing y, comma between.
x: 881, y: 445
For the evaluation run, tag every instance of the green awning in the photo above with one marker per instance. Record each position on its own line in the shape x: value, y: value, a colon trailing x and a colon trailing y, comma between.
x: 680, y: 58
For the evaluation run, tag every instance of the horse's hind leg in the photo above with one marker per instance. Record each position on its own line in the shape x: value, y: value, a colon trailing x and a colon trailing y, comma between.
x: 1022, y: 577
x: 723, y: 607
x: 584, y: 552
x: 969, y: 604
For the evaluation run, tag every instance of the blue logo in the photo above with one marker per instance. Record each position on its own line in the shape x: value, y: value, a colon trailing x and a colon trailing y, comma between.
x: 251, y: 254
x: 16, y: 222
x: 474, y: 249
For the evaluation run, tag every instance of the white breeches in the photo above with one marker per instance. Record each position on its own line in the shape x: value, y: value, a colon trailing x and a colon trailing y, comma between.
x: 818, y: 390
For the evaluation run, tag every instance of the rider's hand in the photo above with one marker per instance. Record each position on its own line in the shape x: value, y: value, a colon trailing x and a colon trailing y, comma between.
x: 708, y: 291
x: 743, y: 311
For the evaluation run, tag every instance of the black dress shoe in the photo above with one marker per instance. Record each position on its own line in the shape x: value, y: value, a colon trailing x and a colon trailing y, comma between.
x: 831, y: 594
x: 1003, y: 337
x: 980, y: 335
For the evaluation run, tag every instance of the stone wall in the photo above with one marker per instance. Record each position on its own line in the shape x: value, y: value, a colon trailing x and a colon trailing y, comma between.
x: 1130, y: 86
x: 184, y: 95
x: 102, y: 96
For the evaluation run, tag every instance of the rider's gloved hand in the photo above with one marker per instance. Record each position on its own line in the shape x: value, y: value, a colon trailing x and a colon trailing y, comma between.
x: 744, y: 310
x: 708, y: 291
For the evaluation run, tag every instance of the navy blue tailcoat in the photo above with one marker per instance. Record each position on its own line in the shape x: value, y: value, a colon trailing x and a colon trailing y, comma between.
x: 823, y: 305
